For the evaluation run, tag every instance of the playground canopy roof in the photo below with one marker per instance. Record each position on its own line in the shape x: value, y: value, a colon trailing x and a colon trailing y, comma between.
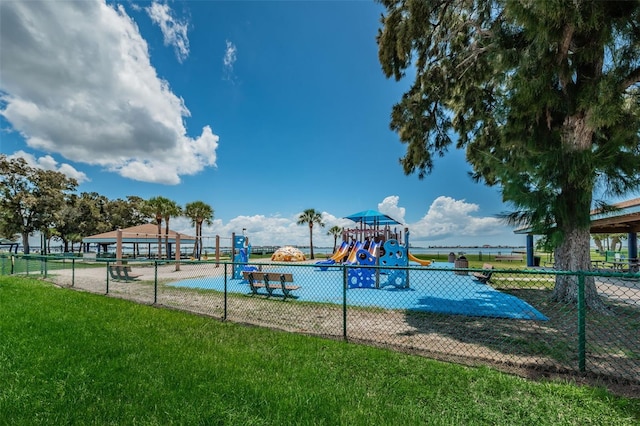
x: 372, y: 218
x: 147, y: 233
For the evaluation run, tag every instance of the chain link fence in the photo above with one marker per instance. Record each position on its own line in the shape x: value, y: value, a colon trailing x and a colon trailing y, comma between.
x: 440, y: 311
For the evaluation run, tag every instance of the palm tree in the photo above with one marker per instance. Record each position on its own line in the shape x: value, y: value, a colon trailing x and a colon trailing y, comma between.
x: 310, y: 216
x: 156, y: 207
x: 335, y: 231
x: 171, y: 209
x: 199, y: 212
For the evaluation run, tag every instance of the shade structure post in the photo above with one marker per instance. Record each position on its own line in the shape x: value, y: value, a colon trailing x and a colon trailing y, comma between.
x: 177, y: 255
x: 119, y: 247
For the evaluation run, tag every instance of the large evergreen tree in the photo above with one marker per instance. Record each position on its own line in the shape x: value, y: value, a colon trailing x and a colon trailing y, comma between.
x: 543, y: 95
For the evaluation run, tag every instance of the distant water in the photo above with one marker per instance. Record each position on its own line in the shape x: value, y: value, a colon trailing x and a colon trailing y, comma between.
x: 413, y: 250
x: 464, y: 250
x: 442, y: 250
x: 127, y: 249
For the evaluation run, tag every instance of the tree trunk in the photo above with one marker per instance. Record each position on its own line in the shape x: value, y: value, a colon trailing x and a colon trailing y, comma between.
x: 616, y: 242
x: 573, y: 255
x: 573, y: 206
x: 196, y: 244
x: 159, y: 238
x: 25, y: 243
x: 199, y: 239
x: 311, y: 239
x: 166, y: 235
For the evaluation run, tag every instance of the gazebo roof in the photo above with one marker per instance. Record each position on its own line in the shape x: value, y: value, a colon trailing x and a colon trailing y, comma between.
x: 147, y: 233
x: 623, y: 220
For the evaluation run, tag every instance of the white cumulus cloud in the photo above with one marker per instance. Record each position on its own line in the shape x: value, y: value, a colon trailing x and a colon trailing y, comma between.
x: 449, y: 218
x: 89, y: 92
x: 47, y: 162
x: 447, y: 222
x: 389, y: 206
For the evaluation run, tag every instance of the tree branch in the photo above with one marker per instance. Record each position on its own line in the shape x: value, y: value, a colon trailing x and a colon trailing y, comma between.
x: 563, y: 53
x: 632, y: 78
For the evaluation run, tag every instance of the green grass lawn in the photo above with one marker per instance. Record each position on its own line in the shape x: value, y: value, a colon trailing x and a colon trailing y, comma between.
x: 69, y: 357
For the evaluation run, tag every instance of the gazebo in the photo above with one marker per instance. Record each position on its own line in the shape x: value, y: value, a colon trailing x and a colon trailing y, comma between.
x: 625, y: 219
x: 13, y: 246
x: 141, y: 234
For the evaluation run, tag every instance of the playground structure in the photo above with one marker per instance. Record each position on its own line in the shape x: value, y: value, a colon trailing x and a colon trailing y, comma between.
x: 422, y: 262
x: 373, y: 245
x: 288, y: 254
x: 241, y: 251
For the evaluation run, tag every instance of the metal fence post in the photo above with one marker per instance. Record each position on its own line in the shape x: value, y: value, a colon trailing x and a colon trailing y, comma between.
x: 155, y: 282
x: 581, y: 323
x: 73, y: 272
x: 107, y: 270
x: 344, y: 301
x: 224, y: 312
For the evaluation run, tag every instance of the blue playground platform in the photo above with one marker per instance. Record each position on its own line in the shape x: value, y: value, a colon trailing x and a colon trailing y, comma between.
x: 432, y: 289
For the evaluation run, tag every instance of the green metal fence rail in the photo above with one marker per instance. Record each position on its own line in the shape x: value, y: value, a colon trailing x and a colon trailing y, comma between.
x: 438, y: 311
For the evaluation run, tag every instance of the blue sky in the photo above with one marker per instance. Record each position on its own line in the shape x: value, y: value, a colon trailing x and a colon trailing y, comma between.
x: 260, y: 109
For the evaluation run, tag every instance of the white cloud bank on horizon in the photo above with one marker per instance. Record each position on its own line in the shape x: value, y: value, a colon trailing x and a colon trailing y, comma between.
x: 90, y: 93
x: 448, y: 222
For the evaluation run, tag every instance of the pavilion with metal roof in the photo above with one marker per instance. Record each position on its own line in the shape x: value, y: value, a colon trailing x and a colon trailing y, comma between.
x: 141, y: 234
x: 13, y: 245
x: 625, y: 218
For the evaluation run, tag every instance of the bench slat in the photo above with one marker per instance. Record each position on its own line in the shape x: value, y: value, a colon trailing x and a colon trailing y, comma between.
x: 270, y: 281
x: 509, y: 257
x: 485, y: 275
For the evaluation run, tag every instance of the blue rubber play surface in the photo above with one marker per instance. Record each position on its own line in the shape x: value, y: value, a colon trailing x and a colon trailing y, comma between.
x: 430, y: 290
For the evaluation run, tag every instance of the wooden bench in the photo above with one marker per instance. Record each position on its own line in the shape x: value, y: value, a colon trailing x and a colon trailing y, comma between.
x: 509, y: 257
x: 270, y: 281
x: 114, y: 272
x: 122, y: 273
x: 128, y: 275
x: 484, y: 276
